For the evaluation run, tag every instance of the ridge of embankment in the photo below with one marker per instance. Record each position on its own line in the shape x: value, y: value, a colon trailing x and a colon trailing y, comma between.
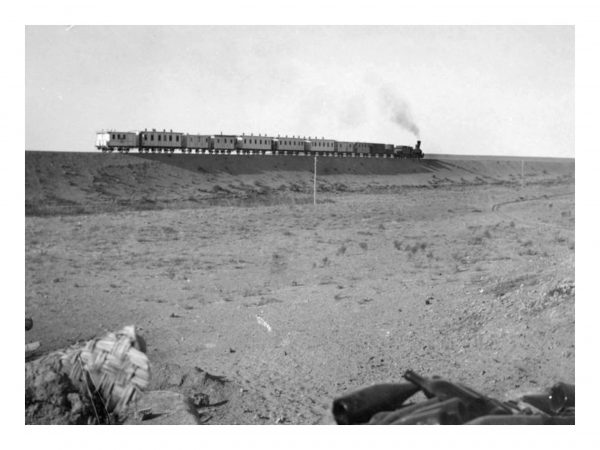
x: 76, y: 182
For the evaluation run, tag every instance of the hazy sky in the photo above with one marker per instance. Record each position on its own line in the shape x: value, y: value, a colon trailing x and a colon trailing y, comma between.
x: 466, y: 90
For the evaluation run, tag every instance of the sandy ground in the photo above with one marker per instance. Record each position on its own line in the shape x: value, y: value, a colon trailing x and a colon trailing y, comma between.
x: 288, y: 304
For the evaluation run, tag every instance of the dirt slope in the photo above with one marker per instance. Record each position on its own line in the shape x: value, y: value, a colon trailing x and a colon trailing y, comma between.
x: 69, y: 182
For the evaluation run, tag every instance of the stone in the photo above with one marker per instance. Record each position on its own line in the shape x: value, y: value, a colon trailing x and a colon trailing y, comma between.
x: 162, y: 408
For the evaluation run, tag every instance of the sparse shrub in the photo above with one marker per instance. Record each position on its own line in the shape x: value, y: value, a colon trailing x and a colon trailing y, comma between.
x: 398, y: 245
x: 278, y: 262
x: 341, y: 250
x: 363, y: 245
x: 564, y: 289
x: 487, y: 234
x: 477, y: 240
x: 529, y: 252
x: 412, y: 248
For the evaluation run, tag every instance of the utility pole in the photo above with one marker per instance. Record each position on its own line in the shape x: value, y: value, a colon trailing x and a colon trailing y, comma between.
x: 522, y: 164
x: 315, y: 182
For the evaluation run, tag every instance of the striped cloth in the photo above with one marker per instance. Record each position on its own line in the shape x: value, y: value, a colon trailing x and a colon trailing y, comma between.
x: 113, y: 367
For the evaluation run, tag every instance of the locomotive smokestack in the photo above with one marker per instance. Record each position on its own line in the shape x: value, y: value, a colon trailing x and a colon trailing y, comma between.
x: 418, y: 146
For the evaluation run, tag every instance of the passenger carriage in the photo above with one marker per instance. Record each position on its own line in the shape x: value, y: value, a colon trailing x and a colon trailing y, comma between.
x: 195, y: 143
x: 160, y: 141
x: 255, y: 144
x: 122, y: 141
x: 322, y: 146
x: 343, y: 148
x: 290, y: 145
x: 224, y: 144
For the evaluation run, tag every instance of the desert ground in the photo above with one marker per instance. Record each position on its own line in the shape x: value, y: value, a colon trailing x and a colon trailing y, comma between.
x: 272, y: 306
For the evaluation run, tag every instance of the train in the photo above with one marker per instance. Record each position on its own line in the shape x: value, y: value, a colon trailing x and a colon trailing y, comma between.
x: 153, y: 141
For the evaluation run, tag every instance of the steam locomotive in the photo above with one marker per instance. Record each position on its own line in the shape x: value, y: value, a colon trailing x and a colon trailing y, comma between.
x: 169, y: 141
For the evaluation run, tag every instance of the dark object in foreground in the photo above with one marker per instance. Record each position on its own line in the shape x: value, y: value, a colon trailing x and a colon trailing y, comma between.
x: 451, y: 403
x: 28, y: 323
x: 361, y: 405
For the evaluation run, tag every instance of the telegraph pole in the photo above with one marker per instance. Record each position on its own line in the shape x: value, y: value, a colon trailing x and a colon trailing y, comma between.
x: 522, y: 166
x: 315, y: 182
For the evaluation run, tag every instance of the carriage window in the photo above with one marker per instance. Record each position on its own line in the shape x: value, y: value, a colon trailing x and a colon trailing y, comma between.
x: 176, y: 138
x: 151, y: 137
x: 170, y: 138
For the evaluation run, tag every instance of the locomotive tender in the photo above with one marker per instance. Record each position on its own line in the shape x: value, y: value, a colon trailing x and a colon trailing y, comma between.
x: 168, y: 141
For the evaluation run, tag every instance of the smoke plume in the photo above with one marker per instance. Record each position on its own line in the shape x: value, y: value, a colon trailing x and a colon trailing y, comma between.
x: 398, y: 110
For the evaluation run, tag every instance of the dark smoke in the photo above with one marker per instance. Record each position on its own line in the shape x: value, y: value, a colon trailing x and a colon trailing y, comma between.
x: 398, y: 110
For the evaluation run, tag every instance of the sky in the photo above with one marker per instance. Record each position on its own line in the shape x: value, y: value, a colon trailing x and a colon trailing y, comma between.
x: 490, y: 90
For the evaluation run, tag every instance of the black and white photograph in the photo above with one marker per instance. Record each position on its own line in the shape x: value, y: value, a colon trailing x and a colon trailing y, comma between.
x: 304, y: 224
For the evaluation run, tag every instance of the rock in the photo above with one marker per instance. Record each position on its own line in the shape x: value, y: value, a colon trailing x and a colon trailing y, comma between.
x: 50, y: 396
x: 190, y: 381
x: 162, y: 408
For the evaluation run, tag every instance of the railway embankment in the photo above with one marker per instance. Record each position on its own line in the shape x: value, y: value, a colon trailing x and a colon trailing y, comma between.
x: 83, y: 182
